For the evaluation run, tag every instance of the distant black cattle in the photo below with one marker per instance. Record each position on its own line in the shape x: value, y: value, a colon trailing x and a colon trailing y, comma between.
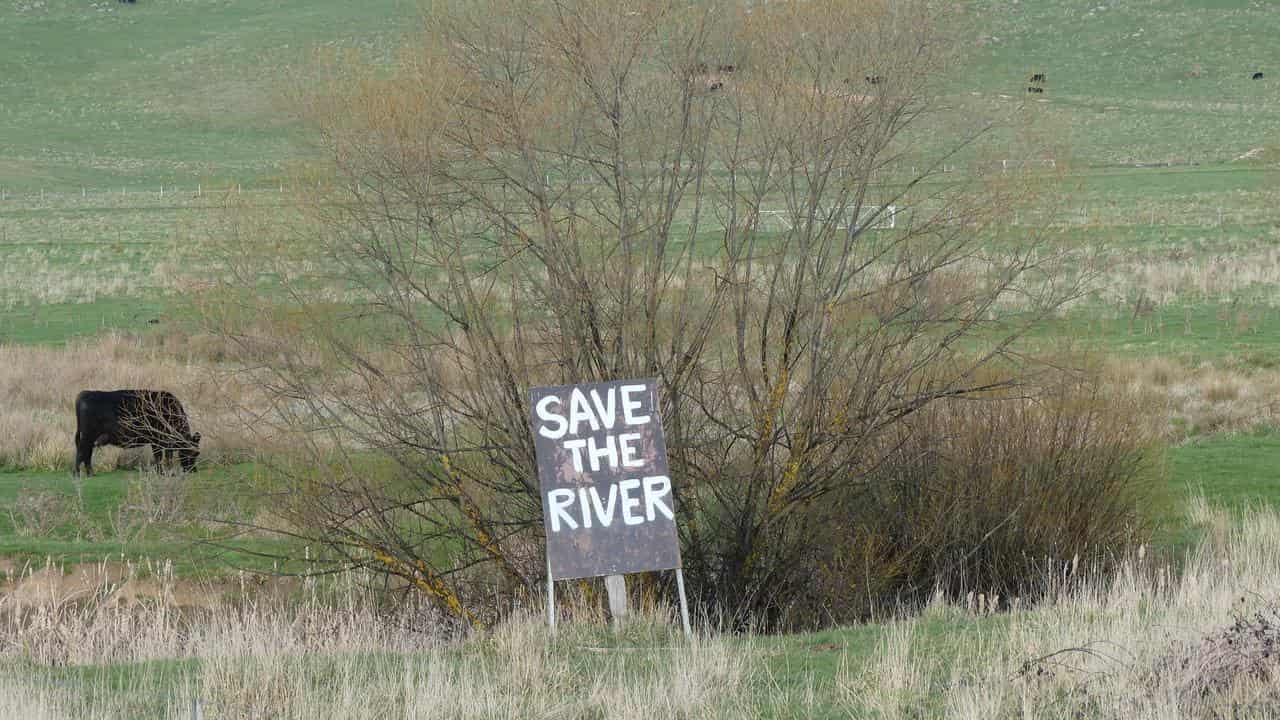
x: 726, y: 68
x: 1257, y: 76
x: 1034, y: 89
x: 1037, y: 78
x: 133, y: 418
x: 127, y: 1
x: 874, y: 79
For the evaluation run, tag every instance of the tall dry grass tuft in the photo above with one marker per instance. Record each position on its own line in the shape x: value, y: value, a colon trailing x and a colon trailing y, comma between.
x: 39, y: 385
x: 891, y: 688
x: 334, y: 653
x: 1138, y: 645
x: 1198, y: 400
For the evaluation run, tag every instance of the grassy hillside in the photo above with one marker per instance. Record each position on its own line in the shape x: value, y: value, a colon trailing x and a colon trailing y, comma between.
x: 1148, y: 81
x: 108, y: 94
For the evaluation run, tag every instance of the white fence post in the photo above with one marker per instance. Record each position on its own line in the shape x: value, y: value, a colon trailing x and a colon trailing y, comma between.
x: 551, y: 600
x: 616, y: 587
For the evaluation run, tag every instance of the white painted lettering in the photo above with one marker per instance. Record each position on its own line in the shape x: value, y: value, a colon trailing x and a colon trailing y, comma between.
x: 547, y: 416
x: 606, y: 412
x: 657, y: 487
x: 558, y: 501
x: 586, y: 509
x: 629, y: 406
x: 605, y: 513
x: 628, y: 502
x: 609, y: 450
x: 576, y: 445
x: 579, y: 411
x: 628, y: 451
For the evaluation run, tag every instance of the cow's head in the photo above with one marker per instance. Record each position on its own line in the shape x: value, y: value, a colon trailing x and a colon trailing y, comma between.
x: 188, y: 455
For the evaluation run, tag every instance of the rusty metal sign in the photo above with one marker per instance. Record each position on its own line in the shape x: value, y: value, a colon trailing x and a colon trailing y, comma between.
x: 607, y: 501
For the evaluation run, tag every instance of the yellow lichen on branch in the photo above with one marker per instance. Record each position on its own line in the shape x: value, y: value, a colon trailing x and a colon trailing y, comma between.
x: 425, y: 580
x: 790, y: 476
x: 481, y: 535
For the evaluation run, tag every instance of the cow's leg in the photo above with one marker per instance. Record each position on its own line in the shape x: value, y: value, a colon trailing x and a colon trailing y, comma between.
x: 157, y: 454
x: 84, y: 454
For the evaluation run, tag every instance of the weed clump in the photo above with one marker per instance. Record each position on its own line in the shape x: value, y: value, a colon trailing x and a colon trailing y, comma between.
x: 1242, y: 658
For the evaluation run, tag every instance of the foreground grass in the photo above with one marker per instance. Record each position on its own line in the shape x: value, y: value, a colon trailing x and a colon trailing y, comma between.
x: 1101, y: 648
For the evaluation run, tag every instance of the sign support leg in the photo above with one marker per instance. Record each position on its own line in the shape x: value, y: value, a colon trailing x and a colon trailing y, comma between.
x: 616, y: 587
x: 551, y: 599
x: 684, y: 604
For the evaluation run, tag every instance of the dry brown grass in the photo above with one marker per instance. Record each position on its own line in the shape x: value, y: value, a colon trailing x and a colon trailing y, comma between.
x: 1203, y: 399
x: 39, y: 387
x: 1096, y: 649
x: 342, y: 657
x: 1164, y: 279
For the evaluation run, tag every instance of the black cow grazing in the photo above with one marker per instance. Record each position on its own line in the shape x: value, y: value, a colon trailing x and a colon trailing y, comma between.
x: 874, y: 79
x: 1037, y: 78
x: 1034, y: 89
x: 1257, y: 76
x: 133, y: 418
x: 726, y: 69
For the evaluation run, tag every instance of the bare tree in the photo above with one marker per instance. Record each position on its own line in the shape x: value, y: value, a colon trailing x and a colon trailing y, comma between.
x: 744, y: 200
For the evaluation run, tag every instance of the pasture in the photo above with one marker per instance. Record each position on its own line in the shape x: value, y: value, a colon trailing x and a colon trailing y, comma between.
x: 125, y: 131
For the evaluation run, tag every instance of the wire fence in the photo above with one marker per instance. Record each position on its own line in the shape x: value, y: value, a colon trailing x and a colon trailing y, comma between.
x: 25, y: 196
x: 1206, y: 212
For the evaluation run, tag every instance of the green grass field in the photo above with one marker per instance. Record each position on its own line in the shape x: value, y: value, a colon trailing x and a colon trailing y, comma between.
x: 1236, y: 471
x: 121, y: 515
x: 167, y: 91
x: 1132, y: 82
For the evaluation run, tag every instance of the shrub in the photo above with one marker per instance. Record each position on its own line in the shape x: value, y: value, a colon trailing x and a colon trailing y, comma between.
x: 993, y: 496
